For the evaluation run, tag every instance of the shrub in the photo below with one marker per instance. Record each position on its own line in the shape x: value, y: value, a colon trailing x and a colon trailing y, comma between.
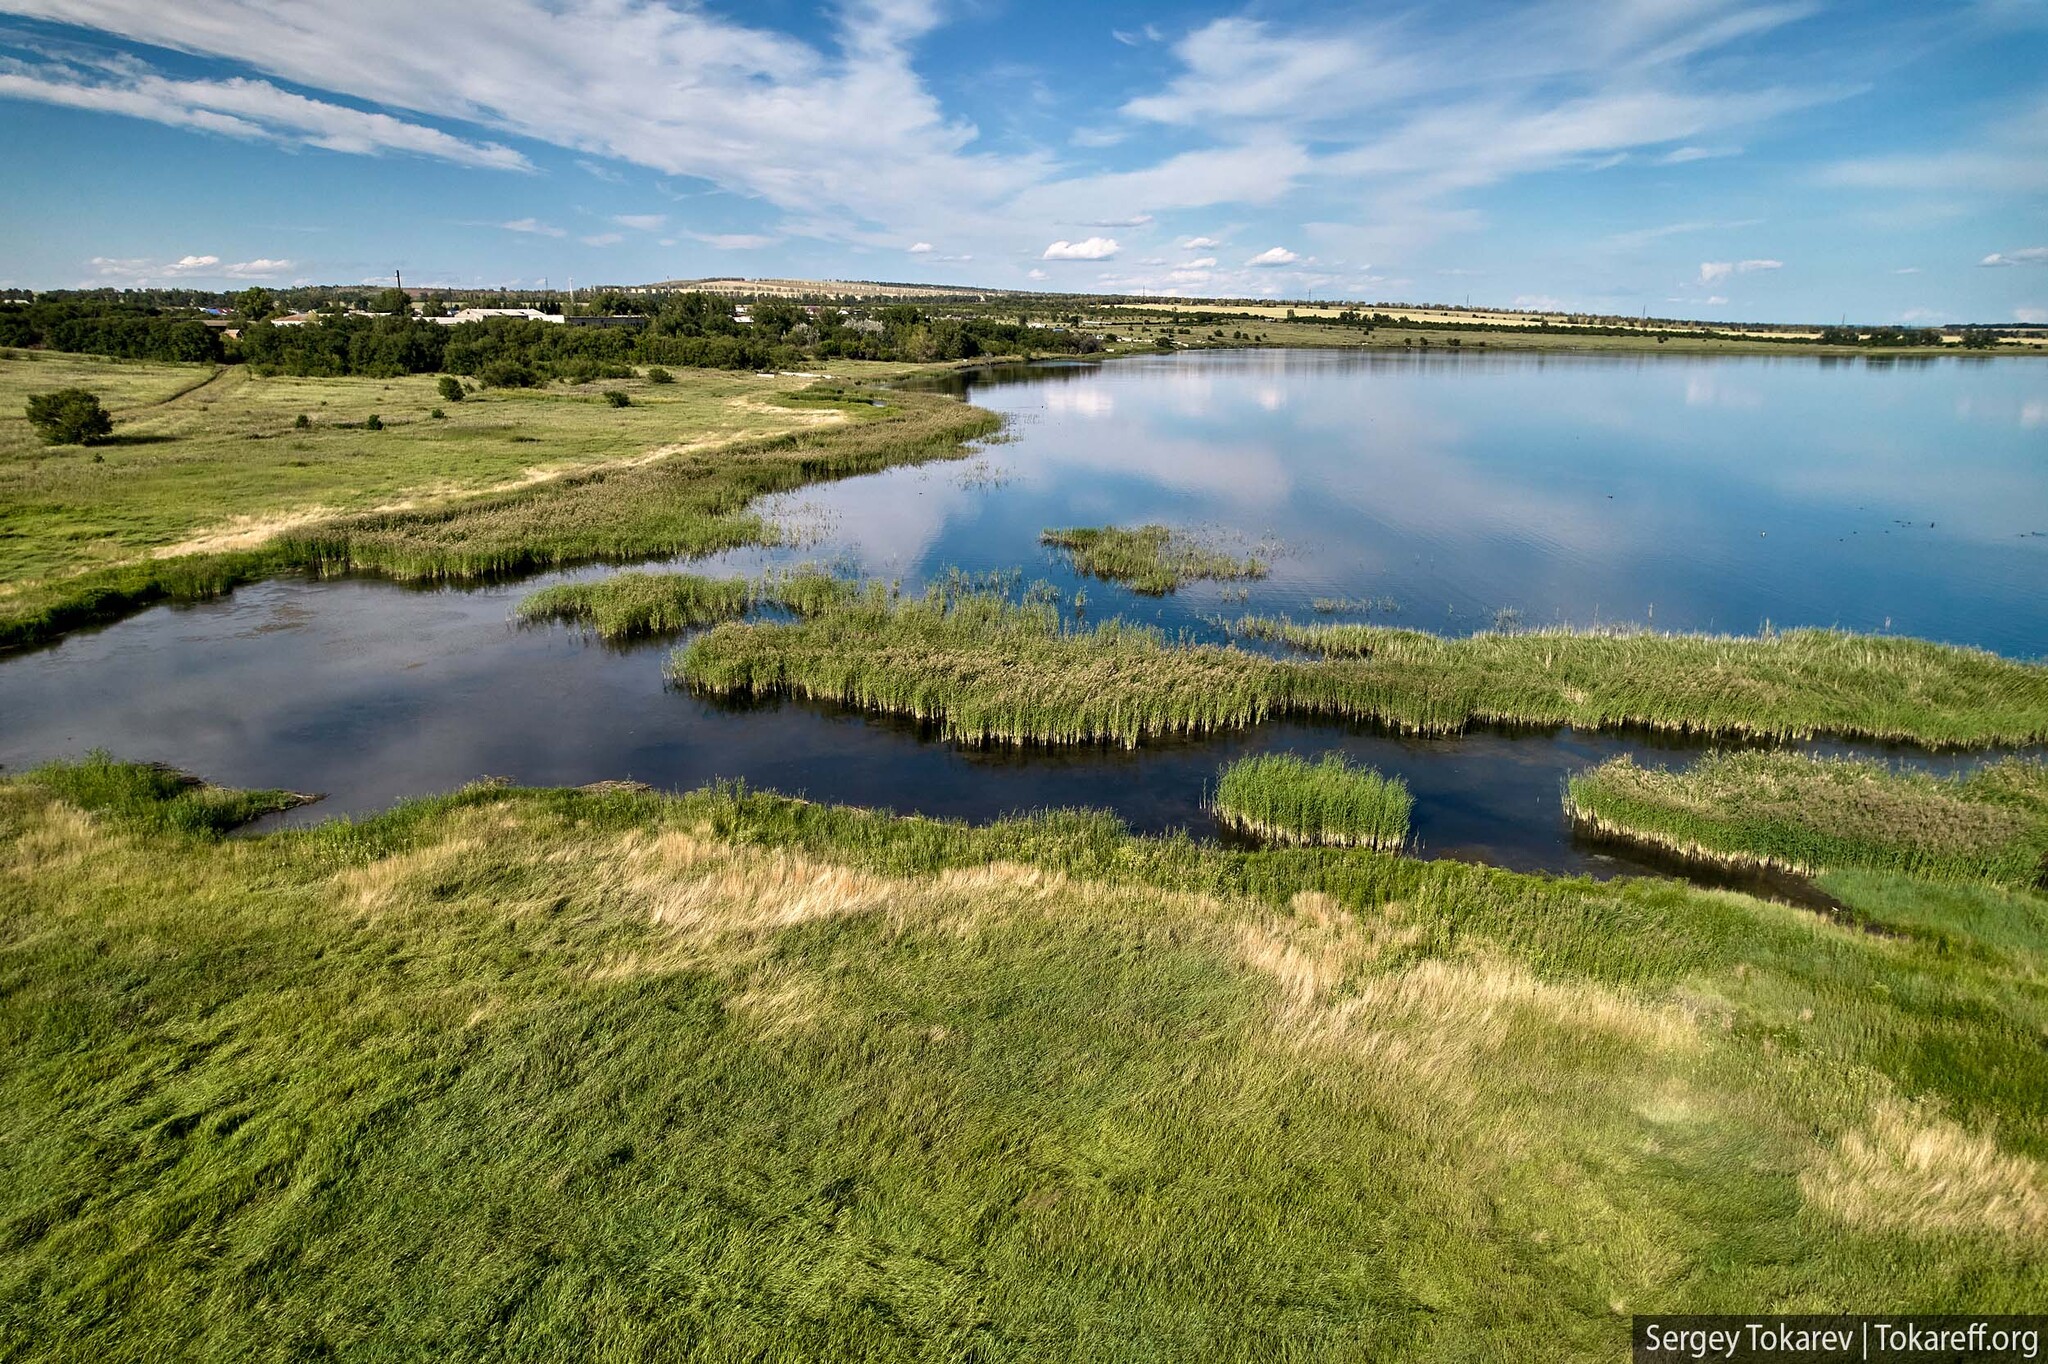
x: 303, y: 422
x: 375, y: 423
x: 451, y: 388
x: 617, y: 398
x: 658, y: 375
x: 509, y: 374
x: 437, y: 414
x: 70, y: 416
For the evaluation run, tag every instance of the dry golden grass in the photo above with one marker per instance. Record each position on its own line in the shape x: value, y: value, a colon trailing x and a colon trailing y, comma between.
x: 1920, y: 1174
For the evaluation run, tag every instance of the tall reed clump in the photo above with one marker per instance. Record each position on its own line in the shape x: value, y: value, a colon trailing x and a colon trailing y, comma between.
x: 1287, y: 799
x: 987, y: 671
x: 1812, y: 815
x: 630, y: 605
x: 1153, y: 560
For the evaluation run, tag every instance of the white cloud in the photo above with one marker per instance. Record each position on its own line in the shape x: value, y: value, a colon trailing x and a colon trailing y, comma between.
x: 1539, y: 303
x: 1092, y: 248
x: 242, y: 108
x: 534, y: 226
x: 143, y: 271
x: 605, y: 173
x: 1679, y: 156
x: 642, y: 222
x: 1036, y: 273
x: 2033, y: 317
x: 735, y: 241
x: 920, y: 248
x: 1273, y: 255
x: 2027, y: 255
x: 1135, y: 220
x: 1714, y: 271
x: 603, y: 239
x: 1200, y: 243
x: 1907, y: 270
x: 1205, y: 263
x: 1096, y: 137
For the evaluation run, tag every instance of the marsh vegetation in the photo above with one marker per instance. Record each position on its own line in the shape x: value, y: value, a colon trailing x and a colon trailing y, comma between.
x: 985, y: 670
x: 1152, y: 560
x: 1288, y: 799
x: 1812, y: 815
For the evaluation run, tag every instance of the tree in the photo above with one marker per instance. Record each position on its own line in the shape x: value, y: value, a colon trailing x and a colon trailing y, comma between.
x: 393, y: 301
x: 70, y: 416
x: 451, y: 388
x: 255, y: 303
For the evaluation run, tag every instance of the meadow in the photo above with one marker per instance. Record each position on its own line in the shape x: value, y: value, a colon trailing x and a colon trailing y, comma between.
x: 532, y: 1074
x: 211, y: 482
x: 1286, y: 799
x: 1153, y: 560
x: 984, y: 670
x: 1811, y: 815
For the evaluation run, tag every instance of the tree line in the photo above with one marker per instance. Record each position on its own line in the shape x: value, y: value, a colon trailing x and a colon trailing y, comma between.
x: 694, y: 330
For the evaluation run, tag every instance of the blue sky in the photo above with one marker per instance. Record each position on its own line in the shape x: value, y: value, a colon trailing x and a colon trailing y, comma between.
x: 1739, y: 159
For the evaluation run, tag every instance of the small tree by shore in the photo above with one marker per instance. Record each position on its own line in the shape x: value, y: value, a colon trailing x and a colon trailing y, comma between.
x: 70, y: 416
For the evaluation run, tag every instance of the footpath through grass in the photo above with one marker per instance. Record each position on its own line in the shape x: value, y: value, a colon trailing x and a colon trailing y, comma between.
x: 1812, y: 815
x: 546, y: 1074
x: 1292, y: 800
x: 576, y: 480
x: 1150, y: 559
x: 987, y: 671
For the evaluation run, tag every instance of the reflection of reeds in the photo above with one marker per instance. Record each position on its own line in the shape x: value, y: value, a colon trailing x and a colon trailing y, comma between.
x: 986, y: 671
x: 1150, y: 559
x: 1291, y: 800
x: 1810, y: 815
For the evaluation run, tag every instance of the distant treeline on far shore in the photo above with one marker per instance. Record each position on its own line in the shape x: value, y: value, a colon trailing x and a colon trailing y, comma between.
x: 383, y: 336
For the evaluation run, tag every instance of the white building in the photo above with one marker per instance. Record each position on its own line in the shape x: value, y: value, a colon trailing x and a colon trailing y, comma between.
x: 481, y: 314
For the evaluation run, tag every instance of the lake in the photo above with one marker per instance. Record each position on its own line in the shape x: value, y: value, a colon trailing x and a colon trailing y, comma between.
x: 1432, y: 491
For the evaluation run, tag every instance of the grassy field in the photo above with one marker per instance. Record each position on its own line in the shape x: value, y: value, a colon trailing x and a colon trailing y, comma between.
x: 1812, y: 815
x: 986, y: 671
x: 1286, y: 799
x: 1150, y: 559
x: 218, y: 486
x: 545, y: 1075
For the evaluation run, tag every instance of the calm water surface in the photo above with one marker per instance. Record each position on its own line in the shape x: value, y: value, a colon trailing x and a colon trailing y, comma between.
x: 1720, y: 493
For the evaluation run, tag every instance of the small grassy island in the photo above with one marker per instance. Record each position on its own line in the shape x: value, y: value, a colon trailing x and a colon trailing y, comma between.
x: 1331, y: 802
x: 985, y: 670
x: 1153, y: 560
x: 1813, y: 815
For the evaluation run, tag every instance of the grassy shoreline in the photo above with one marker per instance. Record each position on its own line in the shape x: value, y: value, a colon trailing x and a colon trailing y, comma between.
x: 690, y: 502
x: 984, y: 671
x: 1810, y: 816
x: 730, y: 1075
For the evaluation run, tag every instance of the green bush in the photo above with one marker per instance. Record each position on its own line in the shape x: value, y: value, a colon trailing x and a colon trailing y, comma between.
x: 375, y: 423
x: 616, y: 398
x: 70, y: 416
x: 658, y: 375
x: 450, y: 388
x: 302, y: 423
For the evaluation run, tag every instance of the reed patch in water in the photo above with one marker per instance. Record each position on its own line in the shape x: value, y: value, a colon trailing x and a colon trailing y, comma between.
x: 988, y: 671
x: 1813, y: 815
x: 1287, y: 799
x: 1153, y: 560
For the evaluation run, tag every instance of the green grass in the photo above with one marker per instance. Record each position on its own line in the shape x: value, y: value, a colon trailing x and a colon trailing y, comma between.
x: 1812, y: 815
x: 1331, y: 802
x: 984, y: 671
x: 628, y: 606
x: 672, y: 475
x: 1150, y: 559
x: 546, y: 1074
